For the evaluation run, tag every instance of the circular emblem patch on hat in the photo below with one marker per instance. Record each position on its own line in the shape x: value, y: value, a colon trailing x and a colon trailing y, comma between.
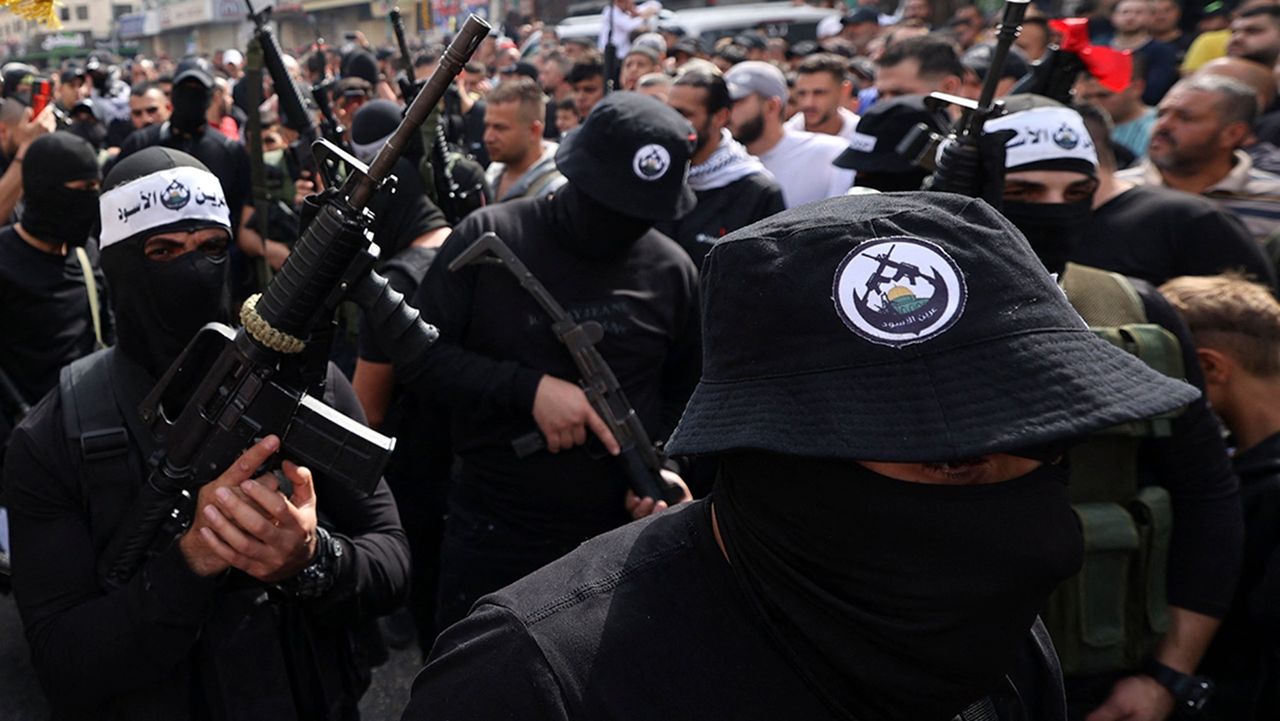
x: 651, y: 162
x: 898, y: 291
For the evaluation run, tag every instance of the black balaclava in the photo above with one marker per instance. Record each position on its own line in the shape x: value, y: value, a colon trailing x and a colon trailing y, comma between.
x: 159, y: 305
x: 361, y: 64
x: 1047, y: 136
x: 592, y: 229
x: 191, y: 101
x: 895, y: 601
x: 53, y: 212
x: 371, y: 126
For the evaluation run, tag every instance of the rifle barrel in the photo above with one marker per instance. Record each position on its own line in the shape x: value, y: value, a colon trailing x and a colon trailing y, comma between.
x: 358, y: 189
x: 1010, y: 24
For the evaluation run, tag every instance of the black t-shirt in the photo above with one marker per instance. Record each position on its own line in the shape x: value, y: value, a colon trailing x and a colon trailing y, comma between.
x: 1156, y: 234
x: 645, y: 623
x: 404, y: 213
x: 496, y: 343
x: 46, y: 321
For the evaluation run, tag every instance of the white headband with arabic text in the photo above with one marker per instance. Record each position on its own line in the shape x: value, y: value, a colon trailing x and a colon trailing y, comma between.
x: 160, y: 199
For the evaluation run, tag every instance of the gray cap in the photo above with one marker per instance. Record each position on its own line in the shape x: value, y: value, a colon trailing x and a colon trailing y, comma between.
x: 756, y: 76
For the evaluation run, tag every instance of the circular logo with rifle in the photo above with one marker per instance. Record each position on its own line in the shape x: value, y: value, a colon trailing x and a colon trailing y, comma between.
x: 651, y: 162
x: 899, y: 291
x: 176, y: 196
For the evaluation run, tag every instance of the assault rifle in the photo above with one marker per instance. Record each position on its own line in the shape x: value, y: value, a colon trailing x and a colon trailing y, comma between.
x: 920, y: 145
x: 292, y: 106
x: 257, y: 164
x: 408, y: 88
x: 330, y: 128
x: 640, y: 459
x: 228, y: 387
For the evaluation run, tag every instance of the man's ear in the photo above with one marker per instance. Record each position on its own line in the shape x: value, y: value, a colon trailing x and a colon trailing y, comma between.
x: 951, y: 85
x: 720, y: 118
x: 775, y: 107
x: 1234, y: 134
x: 1218, y: 367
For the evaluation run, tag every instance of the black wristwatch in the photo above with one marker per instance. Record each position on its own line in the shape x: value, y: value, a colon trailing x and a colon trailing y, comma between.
x: 317, y: 578
x: 1190, y: 693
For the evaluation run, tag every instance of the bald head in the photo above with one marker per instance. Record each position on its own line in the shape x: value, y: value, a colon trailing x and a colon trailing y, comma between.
x: 1256, y: 75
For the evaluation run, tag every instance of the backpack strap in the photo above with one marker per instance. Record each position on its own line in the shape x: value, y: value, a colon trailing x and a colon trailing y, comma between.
x: 91, y: 420
x: 91, y: 285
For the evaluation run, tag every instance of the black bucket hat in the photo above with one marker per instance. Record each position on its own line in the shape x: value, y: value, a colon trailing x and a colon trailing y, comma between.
x: 901, y: 327
x: 632, y: 155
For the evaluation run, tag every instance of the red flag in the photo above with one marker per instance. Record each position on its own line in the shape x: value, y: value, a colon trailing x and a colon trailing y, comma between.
x: 1112, y: 68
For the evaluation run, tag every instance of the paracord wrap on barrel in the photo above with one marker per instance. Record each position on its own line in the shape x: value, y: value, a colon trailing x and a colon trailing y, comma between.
x: 262, y: 331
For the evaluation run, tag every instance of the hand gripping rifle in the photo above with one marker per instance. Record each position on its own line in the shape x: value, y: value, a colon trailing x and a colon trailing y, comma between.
x: 292, y: 105
x: 640, y: 459
x: 920, y: 145
x: 228, y: 387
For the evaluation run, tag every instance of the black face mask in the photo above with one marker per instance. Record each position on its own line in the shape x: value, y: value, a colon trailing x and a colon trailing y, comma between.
x: 190, y: 102
x: 1053, y: 229
x: 91, y: 130
x: 159, y: 306
x: 61, y: 215
x: 895, y: 601
x: 592, y: 229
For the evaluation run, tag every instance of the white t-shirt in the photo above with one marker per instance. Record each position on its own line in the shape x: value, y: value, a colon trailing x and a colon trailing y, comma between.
x: 623, y: 26
x: 801, y: 165
x: 848, y: 123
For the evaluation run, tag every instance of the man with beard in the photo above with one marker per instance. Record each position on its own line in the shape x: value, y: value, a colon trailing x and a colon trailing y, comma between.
x: 800, y: 161
x: 503, y: 373
x: 259, y: 609
x: 1175, y: 472
x: 523, y: 164
x: 1255, y: 35
x: 1155, y: 233
x: 1195, y: 148
x: 821, y: 91
x: 732, y: 186
x: 148, y: 105
x: 554, y: 79
x: 187, y: 129
x: 816, y: 583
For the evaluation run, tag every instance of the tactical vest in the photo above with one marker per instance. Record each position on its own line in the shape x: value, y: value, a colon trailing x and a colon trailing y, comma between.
x: 1110, y: 616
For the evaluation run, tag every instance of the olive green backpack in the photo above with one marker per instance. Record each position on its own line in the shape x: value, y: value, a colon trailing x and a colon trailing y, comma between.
x: 1110, y: 616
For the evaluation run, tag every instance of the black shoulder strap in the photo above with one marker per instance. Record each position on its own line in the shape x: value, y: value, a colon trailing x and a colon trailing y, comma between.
x: 91, y: 420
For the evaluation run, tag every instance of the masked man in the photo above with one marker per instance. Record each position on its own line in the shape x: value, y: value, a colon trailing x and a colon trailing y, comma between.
x: 886, y: 523
x: 1179, y: 468
x: 260, y: 609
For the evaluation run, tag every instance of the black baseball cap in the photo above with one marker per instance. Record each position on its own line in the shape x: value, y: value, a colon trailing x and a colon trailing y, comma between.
x: 880, y: 129
x: 900, y: 327
x: 520, y: 68
x: 978, y: 59
x: 688, y: 46
x: 194, y: 68
x: 861, y: 15
x: 632, y: 154
x: 750, y: 41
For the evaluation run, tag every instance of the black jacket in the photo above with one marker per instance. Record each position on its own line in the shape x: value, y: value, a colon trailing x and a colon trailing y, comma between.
x: 169, y: 644
x: 721, y: 211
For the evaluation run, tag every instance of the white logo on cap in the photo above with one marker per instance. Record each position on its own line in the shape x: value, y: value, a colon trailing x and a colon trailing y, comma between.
x: 651, y: 162
x: 898, y: 291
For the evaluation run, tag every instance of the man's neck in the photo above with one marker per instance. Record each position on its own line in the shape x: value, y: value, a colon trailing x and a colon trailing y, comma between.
x: 1109, y: 187
x: 704, y: 153
x: 1167, y: 37
x: 1257, y: 418
x: 831, y: 126
x: 40, y: 245
x: 1130, y: 41
x: 562, y: 91
x: 1201, y: 179
x: 771, y: 136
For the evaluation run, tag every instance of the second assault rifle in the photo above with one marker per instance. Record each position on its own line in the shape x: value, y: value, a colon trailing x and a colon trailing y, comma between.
x: 641, y: 461
x: 293, y: 107
x: 228, y: 387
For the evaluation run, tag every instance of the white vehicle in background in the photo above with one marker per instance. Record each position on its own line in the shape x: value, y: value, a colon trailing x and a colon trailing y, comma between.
x: 778, y: 19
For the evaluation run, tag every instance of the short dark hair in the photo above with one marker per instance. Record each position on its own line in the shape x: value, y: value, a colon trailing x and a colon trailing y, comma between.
x: 428, y: 56
x: 1099, y: 125
x: 937, y: 57
x: 1271, y: 11
x: 830, y: 63
x: 567, y: 104
x: 587, y: 67
x: 142, y: 88
x: 717, y: 96
x: 522, y: 90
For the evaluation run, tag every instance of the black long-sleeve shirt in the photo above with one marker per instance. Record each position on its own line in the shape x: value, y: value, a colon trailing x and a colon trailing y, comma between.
x: 1206, y: 550
x: 144, y: 650
x: 496, y: 343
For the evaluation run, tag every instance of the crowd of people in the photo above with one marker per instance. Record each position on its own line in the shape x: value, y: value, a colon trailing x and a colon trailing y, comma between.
x: 980, y: 429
